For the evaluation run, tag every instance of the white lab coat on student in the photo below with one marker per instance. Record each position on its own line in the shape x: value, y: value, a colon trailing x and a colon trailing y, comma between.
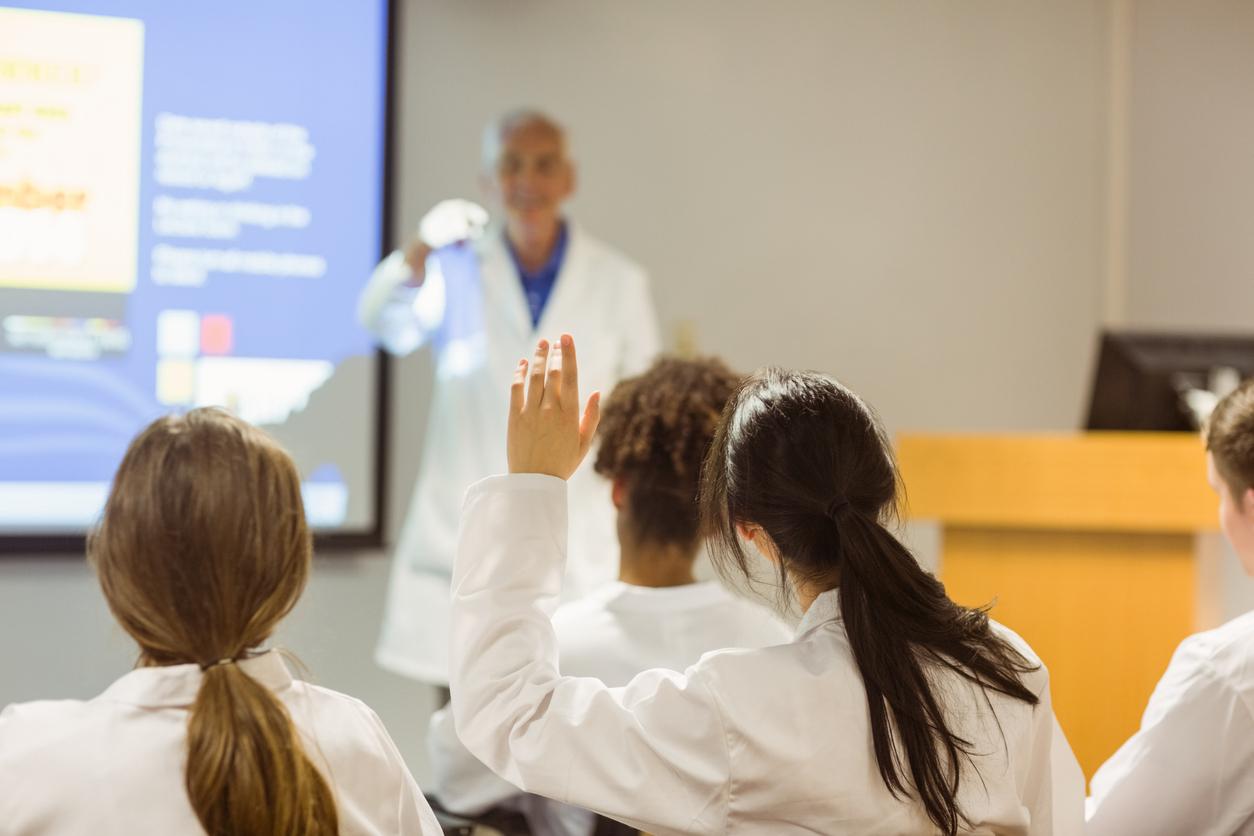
x: 1190, y: 768
x: 612, y: 634
x: 115, y: 765
x: 772, y: 741
x: 479, y: 333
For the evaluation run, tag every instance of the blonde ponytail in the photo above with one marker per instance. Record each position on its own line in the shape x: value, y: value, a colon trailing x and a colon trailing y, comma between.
x: 202, y: 550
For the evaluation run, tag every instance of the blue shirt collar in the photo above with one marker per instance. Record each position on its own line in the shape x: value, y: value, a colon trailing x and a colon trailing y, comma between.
x: 549, y: 271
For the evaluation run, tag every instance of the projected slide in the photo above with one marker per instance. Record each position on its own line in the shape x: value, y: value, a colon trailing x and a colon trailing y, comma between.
x: 190, y: 201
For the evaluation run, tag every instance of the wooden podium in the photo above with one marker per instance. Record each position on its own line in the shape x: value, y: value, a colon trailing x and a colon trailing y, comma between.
x: 1086, y: 544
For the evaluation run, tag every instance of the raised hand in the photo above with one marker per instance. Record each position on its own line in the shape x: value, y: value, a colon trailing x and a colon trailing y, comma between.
x: 547, y: 433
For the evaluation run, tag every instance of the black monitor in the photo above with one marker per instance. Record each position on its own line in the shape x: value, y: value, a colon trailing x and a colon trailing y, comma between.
x: 1141, y: 376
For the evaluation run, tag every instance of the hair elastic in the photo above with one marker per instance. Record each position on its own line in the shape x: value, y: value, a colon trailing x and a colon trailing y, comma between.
x: 217, y: 664
x: 837, y: 505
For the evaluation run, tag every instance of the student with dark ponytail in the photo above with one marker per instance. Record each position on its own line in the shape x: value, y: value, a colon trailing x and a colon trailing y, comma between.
x: 202, y: 550
x: 894, y: 710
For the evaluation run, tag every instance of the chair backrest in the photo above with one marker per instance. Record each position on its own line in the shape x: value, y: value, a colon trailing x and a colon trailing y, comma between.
x: 493, y: 822
x: 498, y: 822
x: 609, y: 827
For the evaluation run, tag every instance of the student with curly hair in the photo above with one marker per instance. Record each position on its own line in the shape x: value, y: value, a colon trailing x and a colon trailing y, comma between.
x: 655, y: 431
x: 202, y: 550
x: 1190, y: 767
x: 893, y: 710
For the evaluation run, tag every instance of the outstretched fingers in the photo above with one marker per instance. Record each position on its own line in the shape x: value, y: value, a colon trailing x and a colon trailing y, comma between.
x: 568, y: 391
x: 518, y: 389
x: 588, y: 424
x: 554, y: 390
x: 535, y: 383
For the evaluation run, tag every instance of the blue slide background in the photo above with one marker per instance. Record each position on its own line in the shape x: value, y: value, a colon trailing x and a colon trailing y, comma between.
x: 321, y: 65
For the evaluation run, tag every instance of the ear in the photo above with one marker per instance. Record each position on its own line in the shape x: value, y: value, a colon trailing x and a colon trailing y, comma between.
x: 618, y: 493
x: 1247, y: 504
x: 572, y: 178
x: 762, y: 541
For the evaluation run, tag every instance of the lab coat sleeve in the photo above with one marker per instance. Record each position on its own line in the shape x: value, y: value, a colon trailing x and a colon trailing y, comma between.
x: 400, y: 317
x: 461, y: 783
x: 1054, y: 789
x: 653, y: 754
x: 414, y: 816
x: 1190, y: 767
x: 641, y: 337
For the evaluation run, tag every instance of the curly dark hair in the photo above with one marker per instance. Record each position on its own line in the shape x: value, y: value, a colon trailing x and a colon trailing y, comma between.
x: 654, y: 433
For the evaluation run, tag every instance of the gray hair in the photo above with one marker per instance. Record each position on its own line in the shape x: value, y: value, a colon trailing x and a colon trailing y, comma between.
x: 495, y: 132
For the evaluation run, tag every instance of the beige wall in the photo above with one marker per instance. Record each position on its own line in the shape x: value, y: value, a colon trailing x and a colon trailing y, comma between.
x: 1191, y: 195
x: 908, y: 195
x: 1191, y: 201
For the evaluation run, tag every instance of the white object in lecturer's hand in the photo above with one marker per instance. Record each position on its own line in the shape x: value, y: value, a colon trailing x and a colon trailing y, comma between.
x: 451, y: 221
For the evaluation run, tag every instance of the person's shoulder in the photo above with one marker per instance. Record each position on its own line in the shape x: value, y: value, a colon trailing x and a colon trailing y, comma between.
x: 54, y: 757
x: 55, y: 737
x: 593, y: 603
x: 331, y: 703
x: 45, y: 721
x: 1037, y: 677
x: 347, y: 731
x: 1225, y: 652
x: 607, y: 257
x: 749, y: 667
x: 758, y: 625
x: 586, y: 635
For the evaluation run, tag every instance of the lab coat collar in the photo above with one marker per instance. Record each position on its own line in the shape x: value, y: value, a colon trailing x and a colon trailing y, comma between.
x: 826, y: 608
x: 500, y: 279
x: 626, y: 597
x: 176, y: 686
x: 497, y: 269
x: 570, y: 286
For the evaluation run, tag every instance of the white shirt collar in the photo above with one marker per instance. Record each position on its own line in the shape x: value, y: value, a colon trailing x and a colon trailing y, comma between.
x: 176, y: 686
x: 825, y: 608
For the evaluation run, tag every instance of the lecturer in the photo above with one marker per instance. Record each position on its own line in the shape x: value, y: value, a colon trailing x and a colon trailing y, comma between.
x: 482, y: 302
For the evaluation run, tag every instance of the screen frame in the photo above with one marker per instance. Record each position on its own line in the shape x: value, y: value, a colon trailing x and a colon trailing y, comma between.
x: 331, y: 543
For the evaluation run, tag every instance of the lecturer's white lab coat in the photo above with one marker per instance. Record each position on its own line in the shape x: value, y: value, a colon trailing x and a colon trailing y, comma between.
x: 612, y: 634
x: 115, y: 765
x: 767, y: 742
x: 1190, y: 767
x: 479, y: 333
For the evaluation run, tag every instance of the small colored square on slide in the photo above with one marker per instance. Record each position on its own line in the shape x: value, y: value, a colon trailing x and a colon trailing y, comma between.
x: 216, y: 334
x: 176, y: 382
x: 178, y: 333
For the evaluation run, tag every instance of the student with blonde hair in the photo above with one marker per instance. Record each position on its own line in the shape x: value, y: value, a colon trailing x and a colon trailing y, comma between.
x: 1190, y: 767
x: 202, y: 550
x: 894, y: 710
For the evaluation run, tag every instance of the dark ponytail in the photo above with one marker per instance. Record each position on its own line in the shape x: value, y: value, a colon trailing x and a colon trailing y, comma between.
x: 803, y: 458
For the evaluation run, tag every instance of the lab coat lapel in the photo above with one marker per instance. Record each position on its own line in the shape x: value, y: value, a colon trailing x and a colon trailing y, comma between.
x: 501, y: 283
x: 571, y: 285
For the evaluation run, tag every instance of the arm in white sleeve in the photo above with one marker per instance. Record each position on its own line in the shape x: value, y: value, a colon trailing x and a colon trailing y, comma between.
x: 641, y: 337
x: 1190, y: 767
x: 463, y: 784
x: 400, y: 806
x: 401, y: 317
x: 653, y: 754
x: 1053, y: 791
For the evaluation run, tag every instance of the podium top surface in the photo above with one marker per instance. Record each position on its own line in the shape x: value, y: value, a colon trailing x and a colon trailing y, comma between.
x: 1095, y: 481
